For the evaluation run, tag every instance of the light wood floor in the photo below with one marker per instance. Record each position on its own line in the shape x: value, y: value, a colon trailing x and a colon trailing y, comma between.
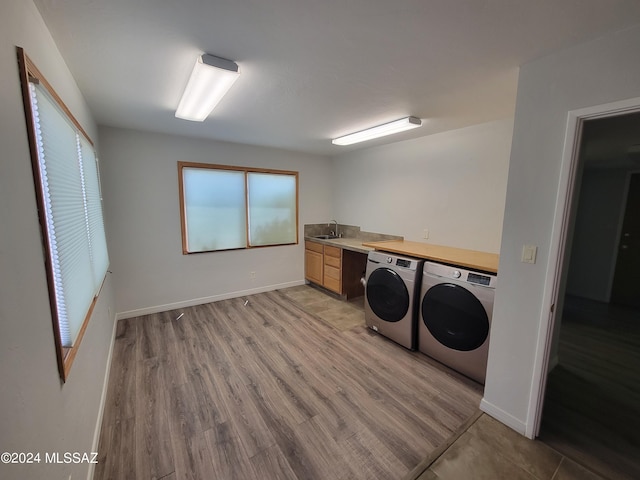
x: 592, y: 405
x: 256, y: 387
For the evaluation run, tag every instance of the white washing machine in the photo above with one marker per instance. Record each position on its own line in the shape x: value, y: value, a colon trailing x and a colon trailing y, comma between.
x: 391, y: 296
x: 456, y: 306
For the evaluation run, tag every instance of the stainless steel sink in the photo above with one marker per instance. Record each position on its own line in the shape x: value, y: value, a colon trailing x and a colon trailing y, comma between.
x: 325, y: 237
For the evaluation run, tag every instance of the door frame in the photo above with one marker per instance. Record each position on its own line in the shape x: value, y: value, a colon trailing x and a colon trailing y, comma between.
x: 559, y: 242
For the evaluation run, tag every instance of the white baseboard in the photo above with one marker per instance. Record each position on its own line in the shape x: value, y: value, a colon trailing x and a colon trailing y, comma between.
x: 202, y: 300
x: 503, y: 417
x: 103, y: 400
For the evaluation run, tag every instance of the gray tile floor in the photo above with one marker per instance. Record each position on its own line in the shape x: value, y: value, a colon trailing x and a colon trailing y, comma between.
x: 343, y: 315
x: 487, y: 450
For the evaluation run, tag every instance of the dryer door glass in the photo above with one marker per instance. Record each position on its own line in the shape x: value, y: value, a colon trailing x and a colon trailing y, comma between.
x: 455, y: 317
x: 387, y: 295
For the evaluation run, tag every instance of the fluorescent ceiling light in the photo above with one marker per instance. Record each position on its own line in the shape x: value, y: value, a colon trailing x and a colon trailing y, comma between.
x: 379, y: 131
x: 210, y: 80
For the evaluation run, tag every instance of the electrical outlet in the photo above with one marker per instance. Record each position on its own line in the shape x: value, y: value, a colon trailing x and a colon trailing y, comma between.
x: 425, y: 233
x: 252, y: 276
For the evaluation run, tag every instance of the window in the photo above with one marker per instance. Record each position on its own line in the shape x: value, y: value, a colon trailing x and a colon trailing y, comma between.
x: 65, y: 170
x: 225, y: 208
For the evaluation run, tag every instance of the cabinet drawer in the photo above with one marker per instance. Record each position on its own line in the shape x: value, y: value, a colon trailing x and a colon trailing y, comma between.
x: 313, y: 246
x: 332, y: 261
x: 331, y: 272
x: 330, y: 251
x: 332, y: 279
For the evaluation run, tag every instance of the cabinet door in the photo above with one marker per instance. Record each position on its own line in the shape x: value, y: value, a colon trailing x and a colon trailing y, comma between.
x: 313, y: 266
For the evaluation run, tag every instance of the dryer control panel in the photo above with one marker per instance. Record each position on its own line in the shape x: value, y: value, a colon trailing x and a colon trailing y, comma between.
x: 460, y: 275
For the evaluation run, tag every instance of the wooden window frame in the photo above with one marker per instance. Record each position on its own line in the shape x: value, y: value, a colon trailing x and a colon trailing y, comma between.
x: 246, y: 170
x: 28, y: 72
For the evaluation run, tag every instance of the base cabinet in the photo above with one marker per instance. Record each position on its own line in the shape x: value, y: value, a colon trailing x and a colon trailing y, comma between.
x: 334, y: 268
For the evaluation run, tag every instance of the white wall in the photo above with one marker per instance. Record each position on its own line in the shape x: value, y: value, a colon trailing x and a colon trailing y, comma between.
x: 452, y: 183
x: 37, y: 412
x: 595, y: 73
x: 595, y: 237
x: 140, y: 186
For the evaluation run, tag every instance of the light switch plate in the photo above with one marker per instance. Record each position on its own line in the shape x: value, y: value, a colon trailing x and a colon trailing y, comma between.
x: 529, y: 253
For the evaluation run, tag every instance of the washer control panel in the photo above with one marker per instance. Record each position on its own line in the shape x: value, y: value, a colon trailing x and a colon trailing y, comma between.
x: 479, y: 279
x: 408, y: 263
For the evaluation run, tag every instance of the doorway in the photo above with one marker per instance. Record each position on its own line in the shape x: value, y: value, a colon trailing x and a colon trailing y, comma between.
x: 592, y: 399
x: 626, y: 280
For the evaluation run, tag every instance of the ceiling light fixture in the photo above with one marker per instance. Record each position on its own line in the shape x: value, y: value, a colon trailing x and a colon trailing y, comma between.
x: 210, y: 80
x: 379, y: 131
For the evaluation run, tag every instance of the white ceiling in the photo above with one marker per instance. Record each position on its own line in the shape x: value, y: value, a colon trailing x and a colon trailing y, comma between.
x: 314, y: 70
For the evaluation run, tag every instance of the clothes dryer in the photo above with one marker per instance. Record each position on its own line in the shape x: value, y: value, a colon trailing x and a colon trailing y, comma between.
x: 456, y: 306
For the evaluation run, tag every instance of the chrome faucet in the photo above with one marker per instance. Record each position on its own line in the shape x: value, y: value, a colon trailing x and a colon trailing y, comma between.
x: 336, y: 230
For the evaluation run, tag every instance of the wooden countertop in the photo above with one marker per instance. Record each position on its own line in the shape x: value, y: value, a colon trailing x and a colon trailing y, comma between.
x: 487, y: 262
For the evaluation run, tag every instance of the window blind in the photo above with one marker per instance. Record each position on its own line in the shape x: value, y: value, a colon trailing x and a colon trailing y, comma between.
x: 215, y: 209
x: 272, y: 208
x: 231, y: 207
x: 73, y: 211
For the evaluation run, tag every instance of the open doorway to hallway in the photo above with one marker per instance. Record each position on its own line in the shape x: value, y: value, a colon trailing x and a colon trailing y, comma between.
x: 592, y: 401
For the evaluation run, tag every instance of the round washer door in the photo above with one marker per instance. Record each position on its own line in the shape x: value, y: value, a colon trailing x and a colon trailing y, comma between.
x: 455, y: 317
x: 387, y: 295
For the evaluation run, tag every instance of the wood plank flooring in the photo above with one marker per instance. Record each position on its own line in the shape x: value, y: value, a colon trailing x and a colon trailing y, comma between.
x: 592, y: 404
x: 256, y: 387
